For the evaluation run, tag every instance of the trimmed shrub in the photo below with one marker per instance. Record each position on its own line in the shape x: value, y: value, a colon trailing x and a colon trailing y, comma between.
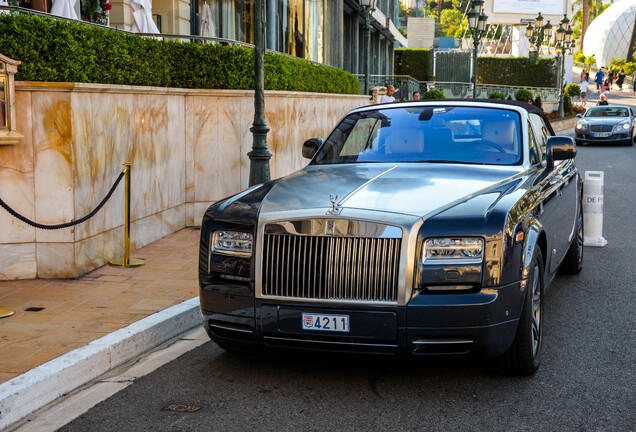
x: 433, y: 94
x: 523, y: 95
x: 509, y: 97
x: 537, y: 101
x: 413, y: 62
x: 579, y: 57
x: 497, y: 95
x: 517, y: 71
x: 572, y: 90
x: 630, y: 68
x: 61, y: 51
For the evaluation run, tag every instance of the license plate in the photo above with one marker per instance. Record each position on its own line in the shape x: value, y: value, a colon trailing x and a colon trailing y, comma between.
x: 601, y: 135
x: 323, y: 322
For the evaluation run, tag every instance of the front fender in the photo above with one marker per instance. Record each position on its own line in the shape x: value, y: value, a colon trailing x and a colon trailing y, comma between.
x: 532, y: 241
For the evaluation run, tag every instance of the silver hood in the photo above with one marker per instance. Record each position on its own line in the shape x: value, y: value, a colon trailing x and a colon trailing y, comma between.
x: 415, y: 189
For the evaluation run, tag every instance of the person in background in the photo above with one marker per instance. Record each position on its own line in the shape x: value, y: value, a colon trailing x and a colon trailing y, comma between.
x: 599, y: 78
x: 416, y: 96
x: 584, y: 86
x: 605, y: 89
x: 530, y: 102
x: 634, y: 81
x: 602, y: 101
x: 388, y: 97
x: 585, y: 75
x: 611, y: 74
x: 620, y: 79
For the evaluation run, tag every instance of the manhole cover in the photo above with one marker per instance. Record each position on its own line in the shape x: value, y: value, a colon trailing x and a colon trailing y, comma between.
x: 181, y: 408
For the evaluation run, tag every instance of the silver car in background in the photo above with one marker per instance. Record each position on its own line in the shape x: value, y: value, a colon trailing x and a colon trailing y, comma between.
x: 606, y: 124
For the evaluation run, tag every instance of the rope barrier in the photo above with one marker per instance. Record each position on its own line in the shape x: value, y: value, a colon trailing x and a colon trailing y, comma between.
x: 67, y: 224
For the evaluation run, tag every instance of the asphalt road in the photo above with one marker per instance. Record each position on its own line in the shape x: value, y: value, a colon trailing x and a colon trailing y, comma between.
x: 587, y: 380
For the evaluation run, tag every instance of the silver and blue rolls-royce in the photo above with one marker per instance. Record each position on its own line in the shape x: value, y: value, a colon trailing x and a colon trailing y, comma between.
x: 606, y: 124
x: 418, y: 228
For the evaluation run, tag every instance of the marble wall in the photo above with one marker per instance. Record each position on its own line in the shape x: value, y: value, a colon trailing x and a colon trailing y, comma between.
x: 189, y: 149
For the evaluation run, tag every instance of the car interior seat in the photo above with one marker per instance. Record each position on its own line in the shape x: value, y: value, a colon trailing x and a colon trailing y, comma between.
x: 502, y: 133
x: 405, y: 141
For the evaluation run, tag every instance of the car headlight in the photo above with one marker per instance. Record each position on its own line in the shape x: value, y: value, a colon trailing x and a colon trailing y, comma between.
x: 625, y: 126
x: 453, y: 250
x: 580, y: 126
x: 622, y: 127
x: 231, y: 243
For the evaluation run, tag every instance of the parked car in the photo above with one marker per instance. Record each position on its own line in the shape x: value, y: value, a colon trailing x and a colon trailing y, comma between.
x: 418, y: 228
x: 609, y: 124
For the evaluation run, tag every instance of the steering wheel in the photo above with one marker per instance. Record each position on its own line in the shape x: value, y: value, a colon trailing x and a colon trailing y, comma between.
x: 486, y: 143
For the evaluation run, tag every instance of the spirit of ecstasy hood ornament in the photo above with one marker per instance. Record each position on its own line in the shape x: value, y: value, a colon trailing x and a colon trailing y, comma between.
x: 334, y: 206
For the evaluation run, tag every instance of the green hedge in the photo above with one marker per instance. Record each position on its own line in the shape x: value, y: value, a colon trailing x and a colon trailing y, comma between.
x: 61, y: 51
x: 516, y: 71
x: 413, y: 62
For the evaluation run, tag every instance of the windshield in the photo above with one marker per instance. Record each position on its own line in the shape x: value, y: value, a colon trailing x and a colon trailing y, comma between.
x: 471, y: 135
x: 607, y: 111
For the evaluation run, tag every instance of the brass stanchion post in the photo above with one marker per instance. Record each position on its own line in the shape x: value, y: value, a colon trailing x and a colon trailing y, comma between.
x: 127, y: 261
x: 4, y: 312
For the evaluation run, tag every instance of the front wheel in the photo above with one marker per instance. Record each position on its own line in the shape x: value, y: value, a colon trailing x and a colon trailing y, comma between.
x: 524, y: 355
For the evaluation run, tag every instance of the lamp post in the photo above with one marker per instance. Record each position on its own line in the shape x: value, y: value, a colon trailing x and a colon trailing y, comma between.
x: 260, y: 155
x: 536, y: 34
x: 563, y: 36
x: 477, y: 24
x: 368, y: 6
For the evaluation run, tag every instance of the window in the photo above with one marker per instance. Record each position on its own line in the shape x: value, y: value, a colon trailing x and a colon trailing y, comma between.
x: 541, y: 133
x: 534, y: 148
x: 436, y: 134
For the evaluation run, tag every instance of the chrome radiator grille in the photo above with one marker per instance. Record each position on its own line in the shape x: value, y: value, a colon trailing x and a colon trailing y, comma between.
x: 331, y: 268
x: 601, y: 128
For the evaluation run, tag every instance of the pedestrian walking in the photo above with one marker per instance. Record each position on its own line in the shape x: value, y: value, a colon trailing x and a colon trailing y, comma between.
x: 620, y: 79
x: 610, y: 76
x: 598, y: 78
x: 584, y: 86
x: 584, y: 75
x: 605, y: 88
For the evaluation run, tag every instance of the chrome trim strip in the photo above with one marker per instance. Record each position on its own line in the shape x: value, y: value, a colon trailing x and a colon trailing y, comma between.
x: 222, y: 327
x: 425, y: 342
x: 329, y: 342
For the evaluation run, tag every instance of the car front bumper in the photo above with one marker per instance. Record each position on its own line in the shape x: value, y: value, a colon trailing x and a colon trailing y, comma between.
x: 482, y: 324
x: 612, y: 139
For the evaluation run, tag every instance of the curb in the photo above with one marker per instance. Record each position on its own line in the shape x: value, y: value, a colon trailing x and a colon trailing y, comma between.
x: 40, y: 386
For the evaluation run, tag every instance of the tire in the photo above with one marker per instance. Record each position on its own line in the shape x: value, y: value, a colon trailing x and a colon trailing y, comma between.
x: 573, y: 261
x: 524, y: 355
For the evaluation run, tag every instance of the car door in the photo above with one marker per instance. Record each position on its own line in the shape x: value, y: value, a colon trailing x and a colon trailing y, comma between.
x: 559, y: 192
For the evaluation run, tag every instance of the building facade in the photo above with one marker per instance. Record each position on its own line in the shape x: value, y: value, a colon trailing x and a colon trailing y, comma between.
x: 331, y: 32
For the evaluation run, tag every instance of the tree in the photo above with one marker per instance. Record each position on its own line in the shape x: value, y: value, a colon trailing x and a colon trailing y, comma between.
x: 450, y: 20
x: 588, y: 10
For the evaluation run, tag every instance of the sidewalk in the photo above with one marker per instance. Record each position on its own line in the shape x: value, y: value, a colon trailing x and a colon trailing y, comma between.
x: 59, y: 321
x: 55, y: 316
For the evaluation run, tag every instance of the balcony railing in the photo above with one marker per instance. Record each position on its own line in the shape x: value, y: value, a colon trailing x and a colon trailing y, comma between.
x: 406, y: 85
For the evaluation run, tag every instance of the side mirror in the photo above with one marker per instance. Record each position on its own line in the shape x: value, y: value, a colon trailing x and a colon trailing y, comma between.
x: 311, y: 146
x: 579, y: 115
x: 560, y: 148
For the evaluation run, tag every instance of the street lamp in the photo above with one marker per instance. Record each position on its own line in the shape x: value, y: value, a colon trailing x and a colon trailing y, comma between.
x: 536, y: 34
x: 477, y: 24
x: 260, y: 155
x: 563, y: 36
x: 368, y: 6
